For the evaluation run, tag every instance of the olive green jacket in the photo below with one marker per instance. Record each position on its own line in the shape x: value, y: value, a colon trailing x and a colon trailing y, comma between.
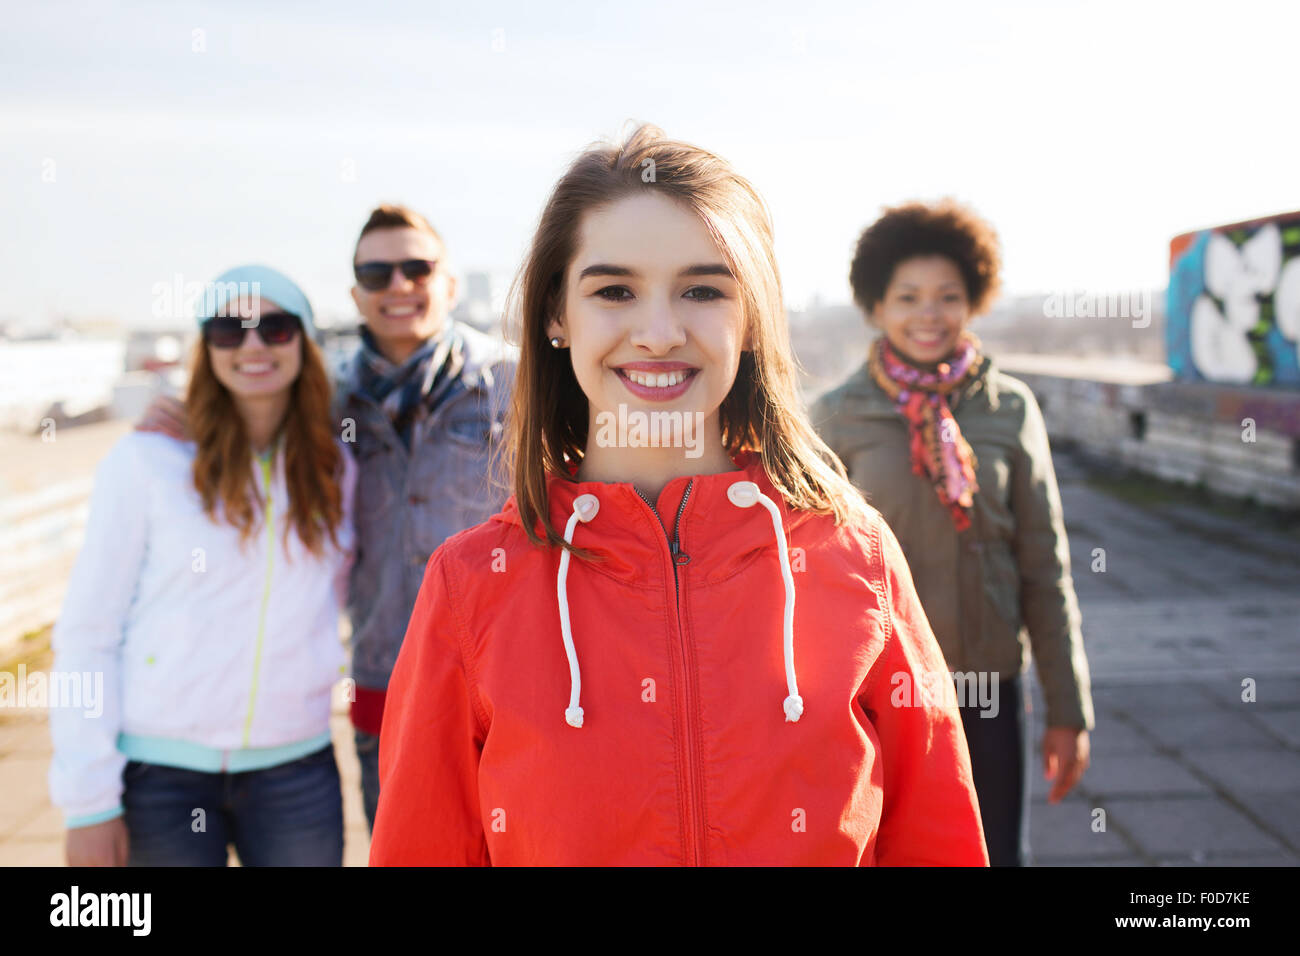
x: 1009, y: 572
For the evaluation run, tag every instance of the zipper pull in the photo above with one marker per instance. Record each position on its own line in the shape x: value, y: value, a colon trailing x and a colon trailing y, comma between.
x: 680, y: 557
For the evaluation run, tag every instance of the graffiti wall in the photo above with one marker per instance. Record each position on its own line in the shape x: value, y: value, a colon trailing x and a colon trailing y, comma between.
x: 1234, y: 303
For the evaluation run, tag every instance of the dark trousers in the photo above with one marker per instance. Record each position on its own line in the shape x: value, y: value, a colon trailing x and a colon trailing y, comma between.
x: 999, y: 759
x: 368, y: 754
x: 287, y: 815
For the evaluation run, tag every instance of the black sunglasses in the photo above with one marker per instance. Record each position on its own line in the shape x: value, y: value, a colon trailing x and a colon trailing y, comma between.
x: 376, y: 275
x: 277, y: 328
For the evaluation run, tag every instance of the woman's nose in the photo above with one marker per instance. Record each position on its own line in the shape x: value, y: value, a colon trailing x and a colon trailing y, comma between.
x: 659, y: 328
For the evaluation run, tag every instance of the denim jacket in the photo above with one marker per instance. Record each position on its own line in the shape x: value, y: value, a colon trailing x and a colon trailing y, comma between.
x: 409, y: 502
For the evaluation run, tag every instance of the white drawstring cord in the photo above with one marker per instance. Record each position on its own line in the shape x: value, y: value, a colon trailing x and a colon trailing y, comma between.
x: 584, y: 509
x: 745, y: 494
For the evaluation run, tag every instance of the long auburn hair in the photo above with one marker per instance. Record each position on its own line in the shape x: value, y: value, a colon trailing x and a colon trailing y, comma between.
x: 763, y: 411
x: 223, y: 464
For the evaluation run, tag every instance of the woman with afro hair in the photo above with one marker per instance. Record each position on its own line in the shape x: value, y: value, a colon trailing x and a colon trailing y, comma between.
x: 955, y: 455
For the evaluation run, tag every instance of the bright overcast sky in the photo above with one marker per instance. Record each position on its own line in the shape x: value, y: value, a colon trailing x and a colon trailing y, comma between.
x: 1089, y: 133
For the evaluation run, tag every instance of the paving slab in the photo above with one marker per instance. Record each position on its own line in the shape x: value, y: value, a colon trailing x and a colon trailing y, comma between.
x: 1140, y: 697
x: 1065, y: 831
x: 1248, y: 769
x: 1165, y: 828
x: 1117, y: 737
x: 1120, y: 775
x: 1277, y: 811
x: 1281, y: 858
x: 1284, y: 725
x: 1217, y: 730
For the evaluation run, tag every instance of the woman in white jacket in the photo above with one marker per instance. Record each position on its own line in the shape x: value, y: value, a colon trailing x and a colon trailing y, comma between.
x: 207, y: 595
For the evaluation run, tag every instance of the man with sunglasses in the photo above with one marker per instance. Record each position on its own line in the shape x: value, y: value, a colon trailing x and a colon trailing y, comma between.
x: 422, y: 406
x: 427, y: 398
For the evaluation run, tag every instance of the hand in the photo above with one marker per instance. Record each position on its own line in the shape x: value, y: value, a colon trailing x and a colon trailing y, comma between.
x: 102, y: 844
x: 1065, y: 758
x: 166, y: 415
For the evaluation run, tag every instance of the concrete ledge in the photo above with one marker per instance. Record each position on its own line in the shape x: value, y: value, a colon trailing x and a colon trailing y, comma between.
x: 1240, y: 442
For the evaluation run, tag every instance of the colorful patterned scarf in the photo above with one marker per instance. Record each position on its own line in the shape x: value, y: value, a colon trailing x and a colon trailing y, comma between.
x: 939, y: 452
x: 419, y: 382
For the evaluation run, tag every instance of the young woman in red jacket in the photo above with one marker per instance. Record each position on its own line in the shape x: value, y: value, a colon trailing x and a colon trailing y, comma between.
x: 614, y: 669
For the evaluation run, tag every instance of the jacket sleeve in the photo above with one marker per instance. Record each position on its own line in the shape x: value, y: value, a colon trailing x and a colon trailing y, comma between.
x: 430, y: 743
x: 930, y: 814
x: 1048, y: 604
x: 85, y: 775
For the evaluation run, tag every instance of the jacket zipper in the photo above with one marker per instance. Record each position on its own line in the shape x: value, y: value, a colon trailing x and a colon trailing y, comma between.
x: 694, y: 779
x: 266, y: 599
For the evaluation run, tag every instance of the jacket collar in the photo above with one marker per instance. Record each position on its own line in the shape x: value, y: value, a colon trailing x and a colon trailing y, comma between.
x: 717, y: 536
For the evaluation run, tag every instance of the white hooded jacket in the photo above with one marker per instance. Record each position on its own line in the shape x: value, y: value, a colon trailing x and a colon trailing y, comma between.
x: 214, y: 656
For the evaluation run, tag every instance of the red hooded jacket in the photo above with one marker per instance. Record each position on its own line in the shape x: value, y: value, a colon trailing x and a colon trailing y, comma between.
x: 657, y: 707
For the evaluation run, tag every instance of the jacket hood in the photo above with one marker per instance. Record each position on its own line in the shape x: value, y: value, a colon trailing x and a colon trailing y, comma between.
x: 719, y: 524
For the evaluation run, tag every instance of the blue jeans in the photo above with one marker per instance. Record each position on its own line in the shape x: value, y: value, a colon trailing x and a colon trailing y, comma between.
x: 999, y: 762
x: 368, y: 754
x: 287, y: 815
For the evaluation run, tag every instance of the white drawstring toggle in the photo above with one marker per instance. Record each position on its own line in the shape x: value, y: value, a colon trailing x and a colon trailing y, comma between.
x: 584, y: 509
x: 746, y: 494
x: 586, y: 506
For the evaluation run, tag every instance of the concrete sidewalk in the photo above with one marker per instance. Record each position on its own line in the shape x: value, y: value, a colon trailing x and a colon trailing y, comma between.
x: 1187, y: 773
x: 1192, y: 609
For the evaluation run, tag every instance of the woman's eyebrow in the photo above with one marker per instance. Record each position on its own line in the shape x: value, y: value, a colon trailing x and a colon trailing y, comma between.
x: 711, y: 269
x: 604, y: 269
x: 951, y: 283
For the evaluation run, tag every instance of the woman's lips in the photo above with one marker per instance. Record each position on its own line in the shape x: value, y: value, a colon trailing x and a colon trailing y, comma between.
x: 656, y: 392
x: 256, y: 369
x: 927, y: 341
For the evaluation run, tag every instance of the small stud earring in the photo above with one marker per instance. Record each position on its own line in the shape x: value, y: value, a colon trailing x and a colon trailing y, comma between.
x: 556, y: 342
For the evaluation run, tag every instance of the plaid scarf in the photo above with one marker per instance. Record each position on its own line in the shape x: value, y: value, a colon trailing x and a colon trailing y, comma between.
x: 418, y: 383
x: 939, y: 452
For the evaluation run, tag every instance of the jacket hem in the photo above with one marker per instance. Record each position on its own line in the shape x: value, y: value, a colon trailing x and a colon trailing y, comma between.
x: 169, y: 752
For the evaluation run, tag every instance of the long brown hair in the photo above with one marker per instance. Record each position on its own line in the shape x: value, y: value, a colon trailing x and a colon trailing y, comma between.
x: 762, y: 412
x: 224, y: 461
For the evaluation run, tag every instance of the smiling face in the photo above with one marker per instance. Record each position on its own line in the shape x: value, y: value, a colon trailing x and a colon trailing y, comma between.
x: 407, y: 313
x: 255, y: 369
x: 652, y: 315
x: 924, y: 310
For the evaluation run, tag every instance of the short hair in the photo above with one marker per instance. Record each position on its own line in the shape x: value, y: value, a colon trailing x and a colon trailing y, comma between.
x: 394, y: 216
x: 945, y: 228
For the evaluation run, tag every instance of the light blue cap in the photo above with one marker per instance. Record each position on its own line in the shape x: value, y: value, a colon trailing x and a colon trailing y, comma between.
x: 257, y: 282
